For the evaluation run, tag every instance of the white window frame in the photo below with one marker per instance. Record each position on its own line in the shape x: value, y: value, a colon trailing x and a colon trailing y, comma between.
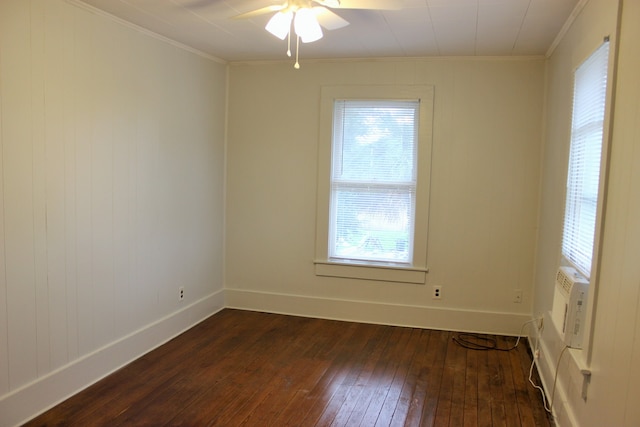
x: 579, y: 249
x: 584, y: 356
x: 416, y: 270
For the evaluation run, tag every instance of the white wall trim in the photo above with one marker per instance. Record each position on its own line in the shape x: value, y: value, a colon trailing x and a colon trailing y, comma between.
x: 32, y: 399
x: 546, y: 366
x: 562, y: 392
x: 449, y: 319
x: 100, y: 12
x: 515, y: 58
x: 565, y: 28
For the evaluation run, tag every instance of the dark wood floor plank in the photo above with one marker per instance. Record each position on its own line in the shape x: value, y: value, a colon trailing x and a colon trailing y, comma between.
x: 411, y: 400
x: 521, y: 385
x: 297, y: 408
x: 445, y: 395
x: 321, y: 396
x: 337, y: 337
x: 377, y: 377
x: 348, y: 382
x: 196, y: 374
x: 496, y: 388
x: 512, y: 414
x: 291, y: 373
x: 484, y: 390
x: 470, y: 413
x: 260, y: 363
x: 458, y: 363
x: 390, y: 404
x: 257, y: 369
x: 364, y: 381
x: 372, y: 401
x: 436, y: 356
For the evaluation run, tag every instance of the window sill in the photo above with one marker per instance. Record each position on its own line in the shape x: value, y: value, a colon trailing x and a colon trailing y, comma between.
x: 383, y: 273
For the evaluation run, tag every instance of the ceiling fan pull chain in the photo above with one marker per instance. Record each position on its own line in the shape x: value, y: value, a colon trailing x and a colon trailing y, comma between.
x: 297, y: 64
x: 289, y: 44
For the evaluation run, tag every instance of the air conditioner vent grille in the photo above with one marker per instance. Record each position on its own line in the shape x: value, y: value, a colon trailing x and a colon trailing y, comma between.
x: 566, y: 277
x: 564, y: 280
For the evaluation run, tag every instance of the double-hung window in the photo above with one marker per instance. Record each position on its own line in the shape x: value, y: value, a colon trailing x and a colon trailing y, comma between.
x: 585, y: 158
x: 373, y: 180
x: 375, y: 149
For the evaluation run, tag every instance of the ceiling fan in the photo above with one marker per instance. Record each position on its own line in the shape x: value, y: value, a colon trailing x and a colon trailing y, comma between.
x: 307, y: 17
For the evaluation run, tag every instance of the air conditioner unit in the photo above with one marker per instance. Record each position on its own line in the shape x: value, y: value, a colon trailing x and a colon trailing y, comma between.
x: 569, y: 305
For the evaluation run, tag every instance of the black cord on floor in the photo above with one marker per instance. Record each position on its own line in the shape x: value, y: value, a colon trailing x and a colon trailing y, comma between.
x: 485, y: 342
x: 480, y: 342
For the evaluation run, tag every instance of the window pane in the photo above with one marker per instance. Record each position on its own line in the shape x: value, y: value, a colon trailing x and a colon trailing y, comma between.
x: 372, y: 224
x: 375, y: 142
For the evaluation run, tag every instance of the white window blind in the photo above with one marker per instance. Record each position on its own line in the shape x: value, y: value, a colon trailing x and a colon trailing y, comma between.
x: 590, y: 86
x: 373, y: 180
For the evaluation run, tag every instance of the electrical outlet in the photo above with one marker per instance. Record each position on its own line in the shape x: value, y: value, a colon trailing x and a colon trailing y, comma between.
x: 536, y: 353
x: 517, y: 296
x: 437, y: 292
x: 180, y: 293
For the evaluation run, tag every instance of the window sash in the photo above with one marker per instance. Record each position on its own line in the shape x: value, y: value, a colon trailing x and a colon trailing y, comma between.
x: 583, y: 178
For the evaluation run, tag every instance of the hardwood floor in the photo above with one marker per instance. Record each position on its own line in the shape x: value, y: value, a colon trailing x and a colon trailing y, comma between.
x: 258, y: 369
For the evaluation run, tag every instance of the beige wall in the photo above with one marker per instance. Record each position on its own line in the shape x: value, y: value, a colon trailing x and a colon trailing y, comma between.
x: 484, y: 194
x: 111, y: 197
x: 614, y: 390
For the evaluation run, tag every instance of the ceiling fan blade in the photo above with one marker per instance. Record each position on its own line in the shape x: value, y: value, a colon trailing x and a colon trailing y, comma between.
x: 328, y: 3
x: 197, y: 4
x: 328, y: 19
x: 372, y: 4
x: 261, y: 11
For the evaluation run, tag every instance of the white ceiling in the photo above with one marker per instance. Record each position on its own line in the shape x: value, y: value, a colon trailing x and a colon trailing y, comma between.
x: 420, y: 28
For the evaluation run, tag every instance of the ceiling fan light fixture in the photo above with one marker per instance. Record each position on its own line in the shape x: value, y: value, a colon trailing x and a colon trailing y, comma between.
x: 306, y: 25
x: 280, y: 24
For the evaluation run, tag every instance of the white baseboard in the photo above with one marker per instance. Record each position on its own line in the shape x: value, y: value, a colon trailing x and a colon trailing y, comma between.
x: 379, y: 313
x: 46, y: 392
x: 563, y: 392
